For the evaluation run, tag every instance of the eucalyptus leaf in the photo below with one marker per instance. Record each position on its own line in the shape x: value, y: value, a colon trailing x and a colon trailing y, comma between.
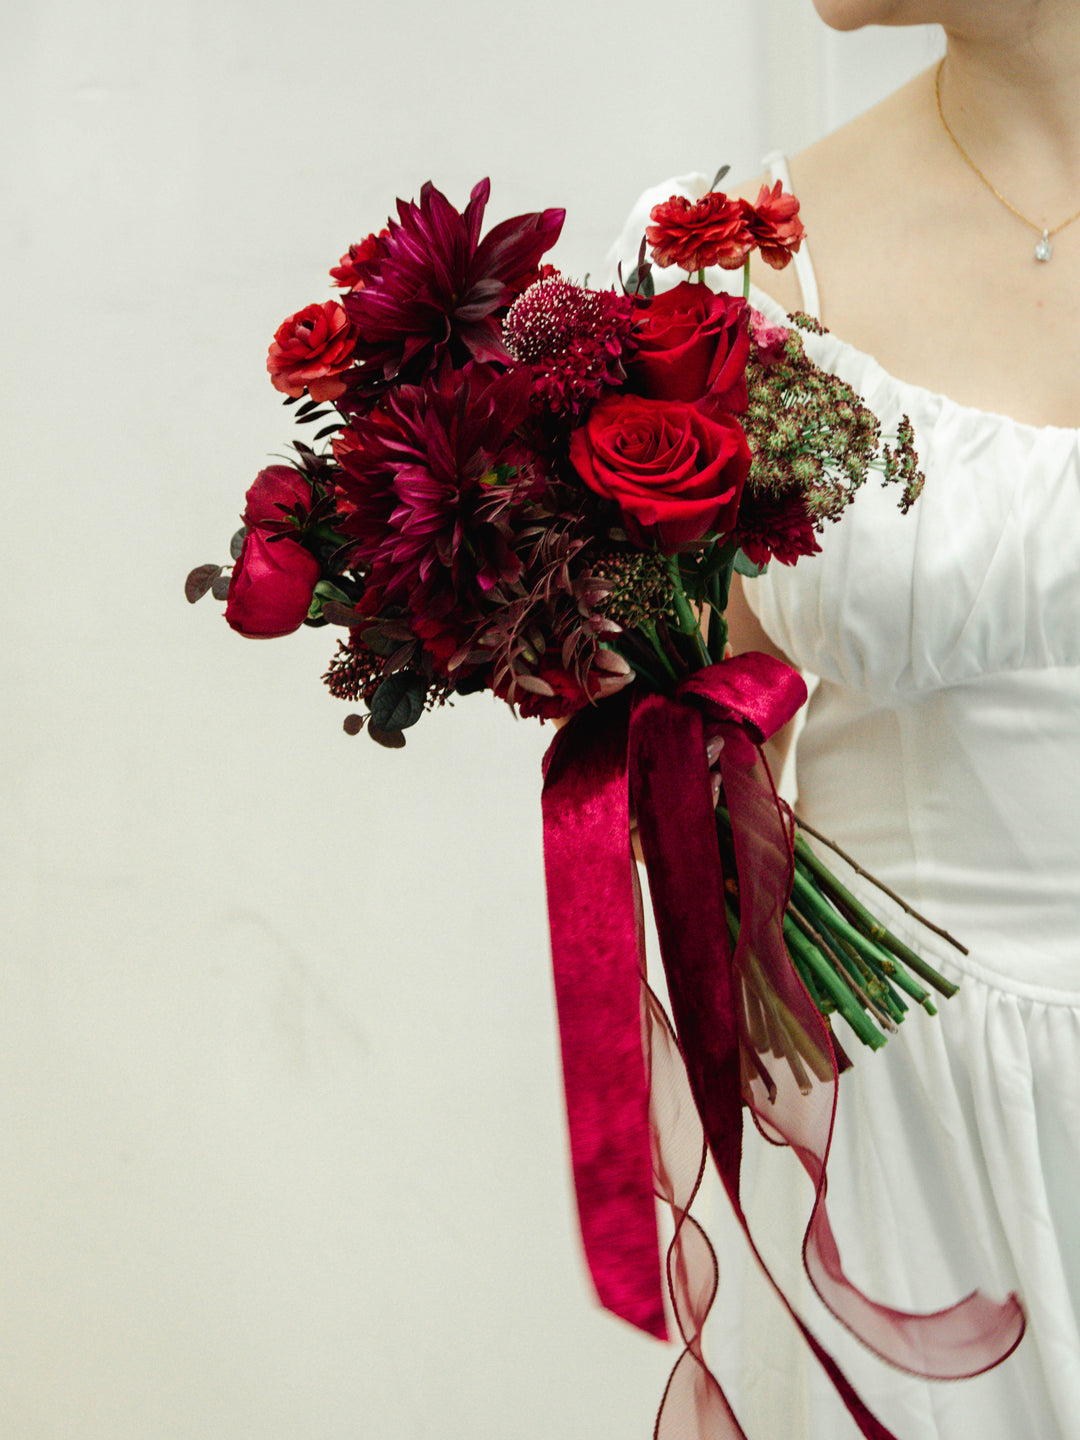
x: 391, y: 739
x: 236, y: 544
x: 200, y: 581
x: 398, y: 702
x: 534, y: 685
x: 327, y: 590
x: 353, y: 724
x: 339, y: 614
x: 640, y: 282
x: 220, y: 587
x: 719, y: 176
x: 745, y: 566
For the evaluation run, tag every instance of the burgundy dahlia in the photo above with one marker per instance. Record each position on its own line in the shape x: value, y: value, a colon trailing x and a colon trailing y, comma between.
x: 434, y: 289
x: 429, y: 484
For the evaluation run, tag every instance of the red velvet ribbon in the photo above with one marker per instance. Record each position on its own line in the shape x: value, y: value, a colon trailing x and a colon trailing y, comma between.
x: 746, y: 1027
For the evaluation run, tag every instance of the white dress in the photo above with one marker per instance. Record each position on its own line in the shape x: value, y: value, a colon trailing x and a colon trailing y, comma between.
x: 942, y: 748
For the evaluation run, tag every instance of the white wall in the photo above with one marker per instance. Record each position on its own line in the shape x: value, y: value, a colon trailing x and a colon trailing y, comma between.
x: 281, y: 1148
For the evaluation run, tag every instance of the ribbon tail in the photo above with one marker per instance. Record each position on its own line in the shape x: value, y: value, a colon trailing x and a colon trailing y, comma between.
x: 596, y: 941
x: 793, y: 1095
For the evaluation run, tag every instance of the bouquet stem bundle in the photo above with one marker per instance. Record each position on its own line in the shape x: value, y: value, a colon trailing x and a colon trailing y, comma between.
x: 850, y: 962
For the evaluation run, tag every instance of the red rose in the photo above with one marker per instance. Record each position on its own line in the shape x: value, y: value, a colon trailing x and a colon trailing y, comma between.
x: 310, y: 350
x: 675, y: 472
x: 272, y: 488
x: 775, y: 226
x: 695, y: 234
x: 691, y: 343
x: 271, y: 587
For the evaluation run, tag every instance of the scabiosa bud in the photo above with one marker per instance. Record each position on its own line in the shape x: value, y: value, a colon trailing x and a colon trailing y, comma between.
x: 575, y: 340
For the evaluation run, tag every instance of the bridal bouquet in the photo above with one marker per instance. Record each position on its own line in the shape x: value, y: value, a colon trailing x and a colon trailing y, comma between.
x: 521, y: 484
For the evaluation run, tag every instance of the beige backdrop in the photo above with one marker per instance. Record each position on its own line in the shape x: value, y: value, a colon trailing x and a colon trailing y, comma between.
x: 281, y: 1148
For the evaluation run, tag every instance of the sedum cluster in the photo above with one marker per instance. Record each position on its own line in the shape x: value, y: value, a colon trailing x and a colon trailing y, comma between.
x: 812, y: 437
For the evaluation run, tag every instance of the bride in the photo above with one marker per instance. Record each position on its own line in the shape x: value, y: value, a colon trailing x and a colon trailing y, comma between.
x: 942, y: 743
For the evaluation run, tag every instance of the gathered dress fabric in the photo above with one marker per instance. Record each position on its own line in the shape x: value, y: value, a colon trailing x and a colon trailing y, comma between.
x: 941, y: 748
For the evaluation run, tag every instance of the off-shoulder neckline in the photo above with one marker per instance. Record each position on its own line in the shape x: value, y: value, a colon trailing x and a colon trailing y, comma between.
x: 919, y: 393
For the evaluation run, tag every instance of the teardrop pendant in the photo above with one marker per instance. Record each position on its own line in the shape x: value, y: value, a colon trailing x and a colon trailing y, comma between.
x: 1043, y: 250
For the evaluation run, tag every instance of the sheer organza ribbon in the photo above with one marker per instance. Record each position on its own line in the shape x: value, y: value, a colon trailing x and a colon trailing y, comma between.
x: 746, y: 1028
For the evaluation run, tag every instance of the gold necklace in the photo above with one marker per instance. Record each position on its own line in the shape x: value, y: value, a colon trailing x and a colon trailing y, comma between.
x: 1043, y: 250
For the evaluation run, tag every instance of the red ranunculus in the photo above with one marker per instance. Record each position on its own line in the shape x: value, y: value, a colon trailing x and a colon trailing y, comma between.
x: 692, y: 343
x: 695, y: 234
x: 348, y: 273
x: 675, y: 472
x: 775, y: 226
x: 310, y: 350
x: 272, y: 488
x: 271, y: 587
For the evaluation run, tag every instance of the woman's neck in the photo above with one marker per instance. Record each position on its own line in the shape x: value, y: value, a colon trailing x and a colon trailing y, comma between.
x: 1010, y: 93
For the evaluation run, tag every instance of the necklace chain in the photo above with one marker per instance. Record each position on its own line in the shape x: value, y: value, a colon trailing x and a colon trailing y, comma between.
x: 1043, y: 249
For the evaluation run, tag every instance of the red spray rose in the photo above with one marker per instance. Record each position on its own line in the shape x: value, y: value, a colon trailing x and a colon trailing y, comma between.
x: 695, y: 234
x: 675, y: 472
x: 775, y: 226
x: 770, y: 340
x: 272, y: 488
x: 271, y: 587
x: 310, y: 350
x: 692, y: 343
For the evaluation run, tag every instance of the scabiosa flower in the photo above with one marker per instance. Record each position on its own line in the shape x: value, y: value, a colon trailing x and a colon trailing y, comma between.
x: 434, y: 289
x: 776, y: 527
x: 574, y: 340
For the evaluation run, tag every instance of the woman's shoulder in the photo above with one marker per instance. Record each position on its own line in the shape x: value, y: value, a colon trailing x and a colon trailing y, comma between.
x: 847, y: 185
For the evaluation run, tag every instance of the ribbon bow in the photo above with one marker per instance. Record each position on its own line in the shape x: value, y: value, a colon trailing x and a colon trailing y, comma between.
x: 728, y: 1007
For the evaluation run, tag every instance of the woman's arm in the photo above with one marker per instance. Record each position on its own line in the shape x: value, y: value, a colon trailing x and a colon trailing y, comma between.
x: 745, y: 633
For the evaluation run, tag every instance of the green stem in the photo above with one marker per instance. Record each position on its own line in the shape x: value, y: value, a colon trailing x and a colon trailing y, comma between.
x: 746, y: 279
x: 648, y: 629
x: 831, y: 982
x: 718, y: 634
x: 859, y: 915
x: 812, y: 899
x: 688, y: 621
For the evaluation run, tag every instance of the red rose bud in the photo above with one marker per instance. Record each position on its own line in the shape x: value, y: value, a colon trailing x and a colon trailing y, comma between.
x: 271, y: 587
x: 675, y: 472
x: 775, y: 226
x: 695, y: 234
x: 272, y: 489
x: 691, y: 343
x: 310, y: 350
